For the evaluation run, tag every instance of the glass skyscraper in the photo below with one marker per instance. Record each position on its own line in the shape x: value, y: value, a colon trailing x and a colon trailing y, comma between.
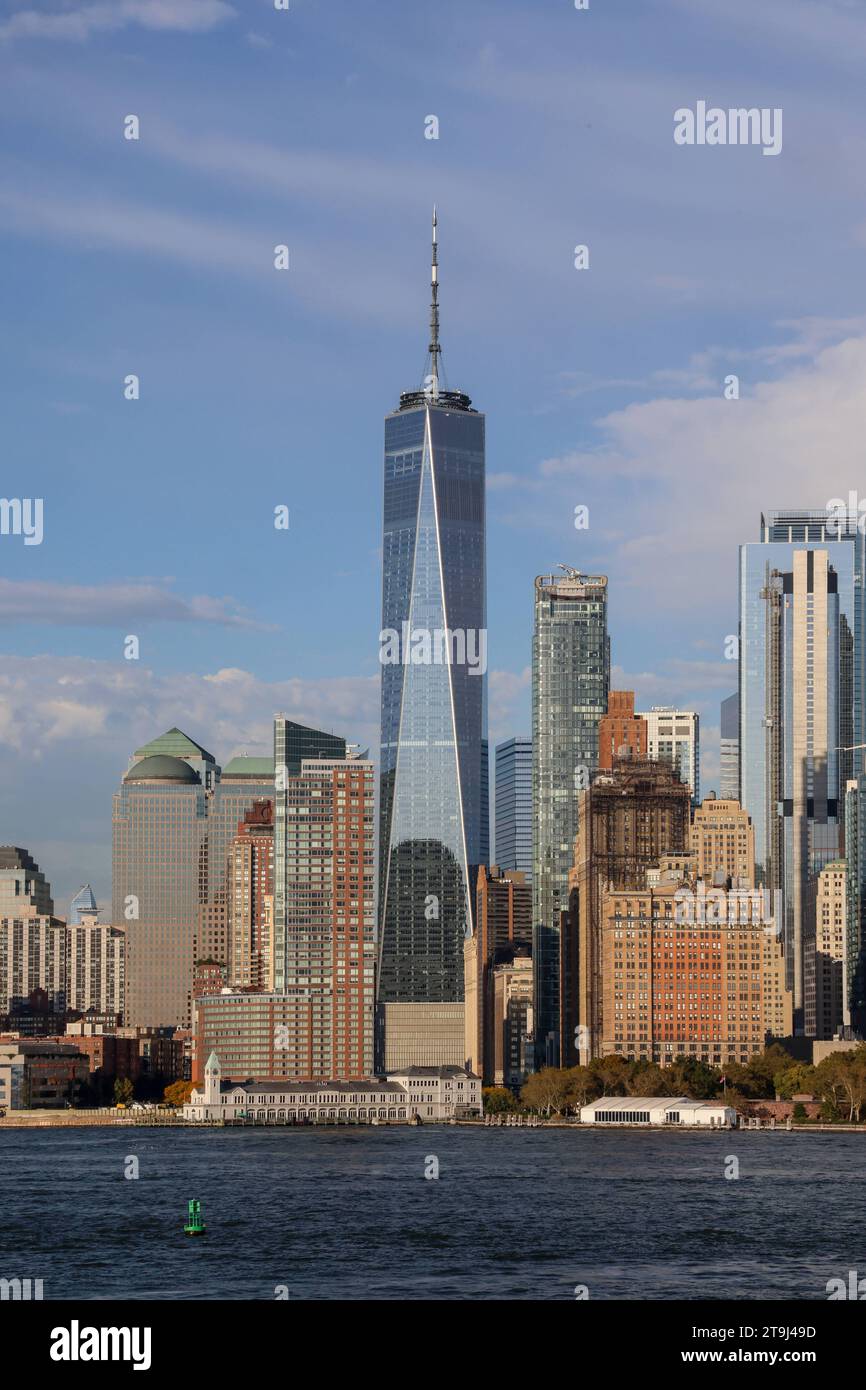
x: 433, y: 650
x: 801, y: 705
x: 513, y: 801
x: 570, y: 685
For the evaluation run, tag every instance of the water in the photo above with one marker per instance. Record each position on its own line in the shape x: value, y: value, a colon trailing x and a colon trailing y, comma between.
x: 348, y: 1213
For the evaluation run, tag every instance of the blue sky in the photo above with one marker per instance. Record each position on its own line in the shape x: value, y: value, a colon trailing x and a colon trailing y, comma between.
x: 601, y: 387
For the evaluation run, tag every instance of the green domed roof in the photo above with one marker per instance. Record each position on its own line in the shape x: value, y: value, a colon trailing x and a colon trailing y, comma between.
x: 161, y: 768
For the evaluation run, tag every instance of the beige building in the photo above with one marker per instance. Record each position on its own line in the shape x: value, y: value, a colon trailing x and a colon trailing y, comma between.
x: 429, y: 1034
x: 688, y: 970
x: 33, y: 950
x: 513, y: 1024
x: 824, y: 956
x: 96, y: 966
x: 723, y: 840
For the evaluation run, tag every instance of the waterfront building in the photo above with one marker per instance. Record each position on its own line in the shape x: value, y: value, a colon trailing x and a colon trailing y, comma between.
x: 723, y: 841
x: 802, y: 684
x: 433, y: 651
x: 658, y: 1110
x: 621, y: 732
x: 674, y: 736
x: 430, y: 1093
x: 513, y: 802
x: 22, y: 884
x: 629, y: 817
x: 729, y: 748
x: 824, y: 990
x: 41, y: 1075
x: 570, y: 685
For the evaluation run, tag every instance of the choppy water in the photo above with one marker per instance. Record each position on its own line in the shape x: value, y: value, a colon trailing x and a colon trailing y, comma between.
x: 514, y: 1214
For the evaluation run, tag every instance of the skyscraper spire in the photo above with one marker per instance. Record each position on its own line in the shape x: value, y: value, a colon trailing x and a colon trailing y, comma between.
x: 434, y: 348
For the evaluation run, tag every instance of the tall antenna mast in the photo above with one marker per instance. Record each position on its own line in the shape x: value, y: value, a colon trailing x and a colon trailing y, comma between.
x: 434, y: 348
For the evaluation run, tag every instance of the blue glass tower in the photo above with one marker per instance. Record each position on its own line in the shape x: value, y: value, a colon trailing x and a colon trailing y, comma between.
x: 433, y: 650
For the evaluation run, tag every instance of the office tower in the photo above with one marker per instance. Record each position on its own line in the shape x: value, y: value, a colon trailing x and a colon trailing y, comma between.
x: 173, y: 819
x: 673, y: 736
x: 159, y: 879
x: 513, y: 1040
x: 250, y: 896
x: 503, y: 918
x: 22, y: 884
x: 729, y: 749
x: 802, y: 610
x: 723, y: 841
x: 854, y: 997
x: 96, y: 965
x: 514, y: 805
x: 824, y: 964
x: 82, y: 905
x: 570, y: 684
x: 629, y: 817
x: 682, y: 972
x: 621, y: 731
x: 434, y: 721
x: 325, y: 958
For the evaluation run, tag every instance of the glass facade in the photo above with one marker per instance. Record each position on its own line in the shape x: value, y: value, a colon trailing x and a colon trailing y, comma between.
x: 729, y: 751
x: 854, y: 978
x: 433, y: 769
x: 801, y: 706
x: 514, y: 805
x: 570, y: 684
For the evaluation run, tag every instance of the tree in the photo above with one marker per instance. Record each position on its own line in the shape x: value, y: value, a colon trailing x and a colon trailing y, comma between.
x: 799, y: 1113
x: 546, y: 1090
x: 794, y: 1080
x: 611, y: 1074
x: 498, y: 1100
x: 179, y: 1092
x: 764, y: 1067
x: 581, y: 1086
x: 123, y: 1091
x: 647, y: 1079
x: 690, y: 1077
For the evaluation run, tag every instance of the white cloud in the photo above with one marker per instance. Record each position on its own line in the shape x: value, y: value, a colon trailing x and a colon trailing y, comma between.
x: 107, y: 605
x: 175, y: 16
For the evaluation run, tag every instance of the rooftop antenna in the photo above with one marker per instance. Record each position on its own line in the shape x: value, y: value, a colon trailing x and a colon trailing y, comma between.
x: 432, y: 383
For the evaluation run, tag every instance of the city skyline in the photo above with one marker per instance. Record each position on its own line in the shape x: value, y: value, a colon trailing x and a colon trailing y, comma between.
x: 154, y: 270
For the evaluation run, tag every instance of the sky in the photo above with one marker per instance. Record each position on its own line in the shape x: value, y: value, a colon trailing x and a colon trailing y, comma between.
x: 602, y: 387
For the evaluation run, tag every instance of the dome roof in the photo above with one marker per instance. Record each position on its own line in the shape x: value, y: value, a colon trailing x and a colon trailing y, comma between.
x: 160, y: 768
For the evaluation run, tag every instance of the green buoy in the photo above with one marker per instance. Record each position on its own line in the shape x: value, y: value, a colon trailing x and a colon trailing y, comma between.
x: 195, y: 1225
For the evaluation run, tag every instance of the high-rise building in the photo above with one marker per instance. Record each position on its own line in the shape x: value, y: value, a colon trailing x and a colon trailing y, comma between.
x: 503, y: 919
x: 729, y: 749
x: 824, y: 965
x: 673, y: 736
x: 250, y: 896
x: 22, y: 884
x: 683, y: 972
x: 570, y: 685
x: 513, y: 1041
x: 802, y: 686
x: 33, y: 956
x: 629, y: 818
x: 621, y: 731
x: 723, y: 841
x: 433, y: 652
x: 854, y: 997
x: 173, y: 820
x: 96, y: 966
x: 513, y: 802
x: 82, y: 905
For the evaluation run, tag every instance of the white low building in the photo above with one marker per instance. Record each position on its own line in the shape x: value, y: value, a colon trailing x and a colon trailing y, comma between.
x: 432, y: 1094
x: 658, y: 1110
